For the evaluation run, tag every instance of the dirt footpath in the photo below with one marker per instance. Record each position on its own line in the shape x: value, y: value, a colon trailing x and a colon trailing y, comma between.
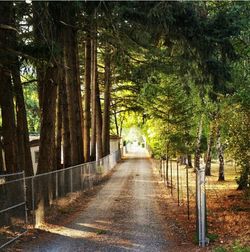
x: 123, y: 216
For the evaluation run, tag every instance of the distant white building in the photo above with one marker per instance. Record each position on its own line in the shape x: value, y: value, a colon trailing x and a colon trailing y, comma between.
x: 115, y: 143
x: 34, y: 149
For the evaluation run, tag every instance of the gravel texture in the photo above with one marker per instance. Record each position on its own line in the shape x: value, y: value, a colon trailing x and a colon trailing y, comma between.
x: 123, y: 216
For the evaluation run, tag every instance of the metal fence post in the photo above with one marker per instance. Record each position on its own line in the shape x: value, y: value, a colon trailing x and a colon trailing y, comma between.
x: 163, y: 170
x: 33, y: 201
x: 171, y: 174
x: 56, y: 185
x: 201, y: 206
x: 71, y: 181
x: 81, y: 178
x: 178, y: 189
x: 25, y: 199
x: 89, y: 177
x: 187, y: 184
x: 203, y: 209
x: 167, y: 170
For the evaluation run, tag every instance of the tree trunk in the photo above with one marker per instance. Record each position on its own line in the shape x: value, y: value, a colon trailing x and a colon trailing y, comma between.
x: 40, y: 22
x: 106, y: 110
x: 189, y: 158
x: 47, y: 74
x: 78, y: 99
x: 243, y: 182
x: 6, y: 90
x: 93, y: 93
x: 72, y: 87
x: 70, y: 101
x: 24, y: 153
x: 98, y: 124
x: 220, y: 156
x: 209, y: 149
x: 87, y: 119
x: 47, y: 134
x: 116, y: 121
x: 22, y: 124
x: 198, y: 144
x: 65, y: 123
x: 2, y: 170
x: 58, y: 127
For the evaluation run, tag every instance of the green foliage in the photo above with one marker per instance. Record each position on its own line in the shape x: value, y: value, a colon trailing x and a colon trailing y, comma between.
x: 171, y: 62
x: 212, y: 237
x: 236, y: 247
x: 32, y: 107
x: 220, y: 249
x: 166, y: 103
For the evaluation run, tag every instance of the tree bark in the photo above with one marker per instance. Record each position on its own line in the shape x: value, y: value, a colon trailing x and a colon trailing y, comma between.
x: 106, y: 110
x: 243, y: 181
x: 24, y: 153
x: 220, y: 156
x: 6, y: 90
x: 58, y: 127
x: 2, y: 170
x: 40, y: 25
x: 198, y: 144
x: 72, y: 90
x: 78, y: 99
x: 116, y: 121
x: 121, y: 124
x: 50, y: 73
x: 65, y: 124
x: 98, y: 124
x: 47, y: 134
x: 93, y: 94
x: 189, y: 158
x: 73, y: 86
x: 87, y: 118
x: 209, y: 149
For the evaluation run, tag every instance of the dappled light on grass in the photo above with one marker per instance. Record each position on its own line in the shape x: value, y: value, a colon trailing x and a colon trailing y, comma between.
x: 228, y: 210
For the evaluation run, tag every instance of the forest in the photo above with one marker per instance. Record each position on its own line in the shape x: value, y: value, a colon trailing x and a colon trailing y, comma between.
x: 74, y: 72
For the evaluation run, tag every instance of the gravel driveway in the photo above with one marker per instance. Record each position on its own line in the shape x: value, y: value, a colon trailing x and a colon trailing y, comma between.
x: 123, y: 216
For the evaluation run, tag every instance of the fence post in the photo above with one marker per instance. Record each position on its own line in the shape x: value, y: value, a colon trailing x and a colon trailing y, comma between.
x: 160, y: 169
x: 56, y: 185
x: 81, y: 177
x: 178, y: 189
x: 163, y: 170
x: 187, y: 184
x: 25, y: 199
x: 71, y: 181
x: 201, y: 206
x: 33, y: 201
x: 171, y: 174
x: 167, y: 170
x: 90, y: 185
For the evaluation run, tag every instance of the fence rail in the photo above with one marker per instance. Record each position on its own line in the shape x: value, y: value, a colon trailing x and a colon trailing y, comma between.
x: 13, y: 211
x: 37, y: 194
x: 179, y: 179
x: 186, y: 185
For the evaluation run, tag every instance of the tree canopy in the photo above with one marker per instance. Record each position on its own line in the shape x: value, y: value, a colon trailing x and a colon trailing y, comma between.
x: 74, y: 72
